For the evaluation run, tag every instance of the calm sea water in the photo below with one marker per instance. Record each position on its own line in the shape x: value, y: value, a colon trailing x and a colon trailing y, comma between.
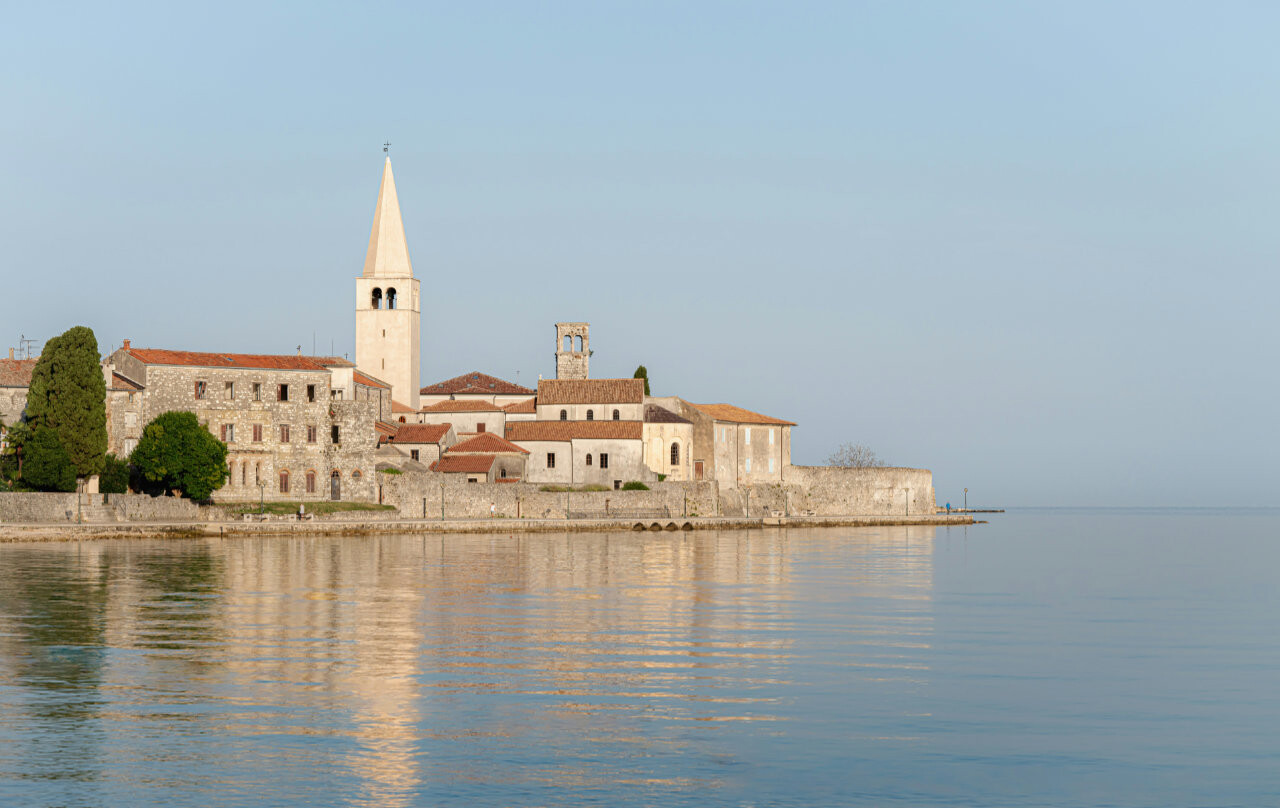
x: 1117, y: 658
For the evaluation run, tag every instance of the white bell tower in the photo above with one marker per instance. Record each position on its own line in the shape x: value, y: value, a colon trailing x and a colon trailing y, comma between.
x: 388, y: 311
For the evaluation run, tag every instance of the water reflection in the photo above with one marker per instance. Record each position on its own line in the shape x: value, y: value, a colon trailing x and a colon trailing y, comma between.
x: 532, y: 669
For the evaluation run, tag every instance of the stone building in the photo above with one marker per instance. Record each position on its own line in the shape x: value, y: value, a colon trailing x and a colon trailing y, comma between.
x: 15, y: 381
x: 590, y: 400
x: 736, y: 447
x: 125, y: 416
x: 466, y: 416
x: 607, y: 453
x: 506, y: 460
x: 388, y: 309
x: 573, y: 350
x: 668, y: 439
x: 288, y: 434
x: 423, y: 442
x: 526, y: 410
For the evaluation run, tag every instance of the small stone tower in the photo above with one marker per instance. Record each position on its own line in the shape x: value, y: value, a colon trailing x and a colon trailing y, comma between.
x: 573, y: 349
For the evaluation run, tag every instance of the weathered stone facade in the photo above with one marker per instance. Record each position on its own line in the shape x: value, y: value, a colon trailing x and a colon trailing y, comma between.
x: 287, y: 436
x: 668, y: 443
x: 573, y: 350
x: 735, y: 446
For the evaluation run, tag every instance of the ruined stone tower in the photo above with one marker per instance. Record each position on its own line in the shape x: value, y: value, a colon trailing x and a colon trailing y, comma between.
x: 573, y: 349
x: 388, y: 313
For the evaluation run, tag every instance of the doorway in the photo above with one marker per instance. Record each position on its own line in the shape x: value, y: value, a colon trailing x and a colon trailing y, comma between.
x: 335, y: 487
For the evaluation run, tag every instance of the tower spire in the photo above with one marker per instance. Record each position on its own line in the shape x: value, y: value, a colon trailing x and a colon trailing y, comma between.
x: 388, y: 255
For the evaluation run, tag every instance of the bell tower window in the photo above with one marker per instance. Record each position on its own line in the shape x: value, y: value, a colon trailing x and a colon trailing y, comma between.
x: 391, y: 298
x: 376, y: 301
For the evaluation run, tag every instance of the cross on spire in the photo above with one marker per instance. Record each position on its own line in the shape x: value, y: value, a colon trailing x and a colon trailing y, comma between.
x: 386, y: 148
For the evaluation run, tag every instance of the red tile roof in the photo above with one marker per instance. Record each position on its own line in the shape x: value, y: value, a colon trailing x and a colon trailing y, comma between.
x: 119, y: 382
x: 590, y: 391
x: 396, y: 406
x: 527, y: 406
x: 737, y: 415
x: 369, y: 381
x: 475, y: 383
x: 450, y: 405
x: 332, y: 361
x: 386, y: 430
x: 160, y: 356
x: 16, y: 372
x: 571, y: 430
x: 486, y: 443
x: 468, y: 464
x: 421, y: 433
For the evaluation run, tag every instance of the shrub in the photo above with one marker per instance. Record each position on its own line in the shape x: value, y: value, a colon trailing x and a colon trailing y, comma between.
x: 635, y: 485
x: 115, y: 476
x: 177, y: 454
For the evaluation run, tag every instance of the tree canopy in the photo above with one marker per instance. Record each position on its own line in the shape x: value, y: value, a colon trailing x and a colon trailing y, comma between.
x: 854, y: 456
x: 175, y: 453
x: 69, y: 396
x: 46, y: 465
x: 642, y: 372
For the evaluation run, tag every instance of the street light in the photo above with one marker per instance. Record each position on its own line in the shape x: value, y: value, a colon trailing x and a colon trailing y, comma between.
x: 262, y: 496
x: 966, y: 499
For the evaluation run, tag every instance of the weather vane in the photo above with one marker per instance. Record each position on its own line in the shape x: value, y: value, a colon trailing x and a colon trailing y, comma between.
x: 386, y: 148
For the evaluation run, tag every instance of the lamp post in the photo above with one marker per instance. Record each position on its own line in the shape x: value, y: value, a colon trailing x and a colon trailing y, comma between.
x: 262, y: 497
x: 966, y: 499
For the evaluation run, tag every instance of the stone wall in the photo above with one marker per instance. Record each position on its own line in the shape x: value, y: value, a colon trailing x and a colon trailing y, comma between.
x: 418, y: 496
x: 37, y: 507
x: 143, y: 508
x: 833, y: 491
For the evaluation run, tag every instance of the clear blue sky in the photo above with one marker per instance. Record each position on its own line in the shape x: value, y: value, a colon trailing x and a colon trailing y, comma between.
x: 1032, y: 247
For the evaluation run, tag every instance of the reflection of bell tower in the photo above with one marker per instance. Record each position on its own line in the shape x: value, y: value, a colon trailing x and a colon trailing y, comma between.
x: 572, y: 350
x: 388, y: 319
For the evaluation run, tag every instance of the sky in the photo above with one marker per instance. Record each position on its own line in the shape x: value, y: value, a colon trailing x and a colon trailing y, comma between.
x: 1029, y: 246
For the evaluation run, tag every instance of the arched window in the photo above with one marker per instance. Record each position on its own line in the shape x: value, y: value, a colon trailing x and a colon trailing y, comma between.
x: 616, y: 415
x: 675, y: 454
x: 284, y: 482
x: 355, y: 475
x: 391, y: 297
x: 311, y: 482
x: 376, y: 302
x: 564, y: 415
x: 588, y: 460
x: 335, y: 486
x: 577, y: 343
x: 591, y: 415
x: 568, y: 343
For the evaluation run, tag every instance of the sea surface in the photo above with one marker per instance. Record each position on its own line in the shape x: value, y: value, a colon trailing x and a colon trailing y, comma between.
x: 1049, y: 658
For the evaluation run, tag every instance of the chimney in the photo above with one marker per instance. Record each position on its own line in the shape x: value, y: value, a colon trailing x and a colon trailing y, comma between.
x: 126, y: 345
x: 10, y: 353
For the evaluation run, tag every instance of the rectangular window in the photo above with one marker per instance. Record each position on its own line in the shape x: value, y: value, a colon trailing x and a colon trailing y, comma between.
x: 228, y: 433
x: 284, y: 433
x: 131, y: 418
x: 311, y: 392
x: 413, y: 453
x: 333, y: 433
x: 200, y: 389
x: 748, y: 465
x: 748, y: 434
x: 771, y: 465
x: 770, y: 437
x: 231, y: 391
x: 311, y: 434
x: 311, y: 482
x: 480, y: 427
x: 604, y: 460
x: 551, y: 460
x: 282, y: 393
x: 257, y: 391
x: 284, y: 482
x: 257, y: 433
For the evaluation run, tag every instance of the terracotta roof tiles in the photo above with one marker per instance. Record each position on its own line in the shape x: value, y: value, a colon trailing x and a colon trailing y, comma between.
x: 464, y: 464
x: 574, y: 430
x: 161, y: 356
x: 737, y: 415
x: 369, y: 381
x: 396, y: 406
x: 474, y: 383
x: 421, y: 433
x: 528, y: 406
x: 486, y: 443
x: 451, y: 405
x: 590, y: 391
x: 16, y: 372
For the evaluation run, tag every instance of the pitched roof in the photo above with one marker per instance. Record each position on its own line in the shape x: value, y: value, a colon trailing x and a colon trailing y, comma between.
x: 475, y: 383
x: 486, y: 443
x: 421, y: 433
x: 396, y: 406
x: 590, y: 391
x: 369, y: 381
x: 737, y: 415
x: 386, y: 430
x: 161, y: 356
x: 16, y: 372
x: 653, y: 414
x: 571, y: 430
x: 526, y: 406
x: 452, y: 405
x: 332, y: 361
x: 469, y: 464
x: 388, y: 255
x: 119, y: 382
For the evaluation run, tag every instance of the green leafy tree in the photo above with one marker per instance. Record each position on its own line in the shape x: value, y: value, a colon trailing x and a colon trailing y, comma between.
x: 46, y: 465
x: 115, y: 476
x: 15, y: 438
x: 175, y: 453
x: 69, y: 396
x: 642, y: 372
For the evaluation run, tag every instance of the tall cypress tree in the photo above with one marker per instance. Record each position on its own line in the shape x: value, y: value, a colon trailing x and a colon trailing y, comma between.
x: 69, y: 396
